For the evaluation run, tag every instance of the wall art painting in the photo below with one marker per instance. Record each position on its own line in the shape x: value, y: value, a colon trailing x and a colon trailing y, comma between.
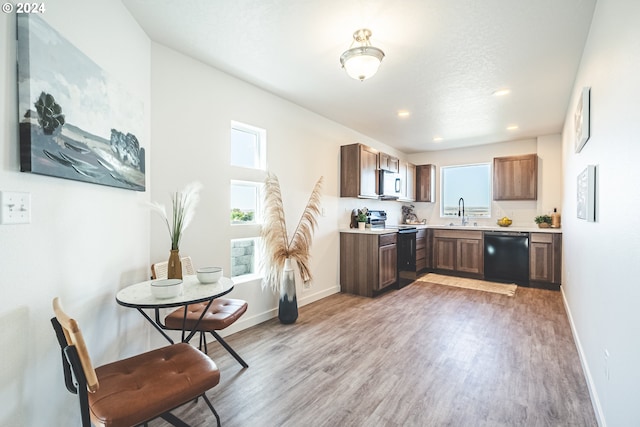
x: 581, y: 119
x: 586, y: 193
x: 75, y: 121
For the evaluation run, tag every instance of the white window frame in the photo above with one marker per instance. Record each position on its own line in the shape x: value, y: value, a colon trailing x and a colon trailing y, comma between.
x: 260, y: 155
x: 468, y: 208
x: 257, y: 260
x: 257, y: 219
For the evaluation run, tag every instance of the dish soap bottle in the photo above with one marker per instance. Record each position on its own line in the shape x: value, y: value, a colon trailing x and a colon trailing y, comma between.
x: 555, y: 219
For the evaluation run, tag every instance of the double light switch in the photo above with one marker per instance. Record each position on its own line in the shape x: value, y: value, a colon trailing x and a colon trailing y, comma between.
x: 15, y: 207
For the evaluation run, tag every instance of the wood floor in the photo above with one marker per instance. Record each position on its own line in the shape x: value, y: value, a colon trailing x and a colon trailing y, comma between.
x: 425, y: 355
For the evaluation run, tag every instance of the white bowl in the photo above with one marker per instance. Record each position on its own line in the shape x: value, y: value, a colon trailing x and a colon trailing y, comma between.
x: 166, y: 288
x: 209, y: 274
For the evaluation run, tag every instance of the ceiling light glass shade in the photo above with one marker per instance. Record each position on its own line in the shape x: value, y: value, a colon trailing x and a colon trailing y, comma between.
x: 361, y: 62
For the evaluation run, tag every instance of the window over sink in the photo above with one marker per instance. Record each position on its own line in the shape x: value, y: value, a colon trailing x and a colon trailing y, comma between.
x: 470, y: 182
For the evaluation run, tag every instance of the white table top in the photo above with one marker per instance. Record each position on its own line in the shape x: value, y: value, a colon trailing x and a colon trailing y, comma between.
x: 139, y: 295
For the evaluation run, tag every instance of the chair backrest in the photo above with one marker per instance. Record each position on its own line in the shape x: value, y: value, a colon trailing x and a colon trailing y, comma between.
x: 159, y: 269
x: 74, y: 338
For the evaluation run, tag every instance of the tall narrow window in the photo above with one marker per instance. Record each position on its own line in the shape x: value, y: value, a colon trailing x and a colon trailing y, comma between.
x: 245, y: 202
x: 472, y: 183
x: 248, y: 146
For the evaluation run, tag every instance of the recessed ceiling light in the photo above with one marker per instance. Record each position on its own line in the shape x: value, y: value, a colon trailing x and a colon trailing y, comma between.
x: 512, y: 127
x: 437, y: 138
x: 403, y: 113
x: 501, y: 92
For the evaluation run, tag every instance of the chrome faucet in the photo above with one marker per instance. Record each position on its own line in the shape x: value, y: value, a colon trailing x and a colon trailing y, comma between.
x: 461, y: 203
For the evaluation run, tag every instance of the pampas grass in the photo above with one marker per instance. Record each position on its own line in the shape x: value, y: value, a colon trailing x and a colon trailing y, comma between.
x: 276, y: 244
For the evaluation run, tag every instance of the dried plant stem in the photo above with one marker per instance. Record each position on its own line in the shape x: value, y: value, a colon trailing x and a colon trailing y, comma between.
x: 276, y: 244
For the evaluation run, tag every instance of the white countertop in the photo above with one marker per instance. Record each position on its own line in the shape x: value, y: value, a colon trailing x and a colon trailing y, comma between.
x: 532, y: 229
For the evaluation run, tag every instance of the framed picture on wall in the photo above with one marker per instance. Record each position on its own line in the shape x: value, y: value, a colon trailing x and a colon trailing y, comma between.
x: 586, y: 194
x: 581, y: 119
x: 76, y: 121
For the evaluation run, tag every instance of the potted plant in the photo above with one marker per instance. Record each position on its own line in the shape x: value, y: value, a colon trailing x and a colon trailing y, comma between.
x: 362, y: 218
x: 183, y: 205
x: 543, y: 221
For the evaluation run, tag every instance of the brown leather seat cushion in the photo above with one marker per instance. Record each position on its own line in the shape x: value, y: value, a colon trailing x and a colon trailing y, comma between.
x: 142, y: 387
x: 222, y: 313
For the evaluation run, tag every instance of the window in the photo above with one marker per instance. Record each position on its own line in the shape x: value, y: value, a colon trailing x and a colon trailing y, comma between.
x: 248, y: 151
x: 244, y: 256
x: 248, y: 146
x: 470, y: 182
x: 245, y: 202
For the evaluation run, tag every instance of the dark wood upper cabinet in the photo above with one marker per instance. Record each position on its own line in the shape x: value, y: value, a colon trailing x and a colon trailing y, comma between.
x: 515, y: 177
x: 426, y: 183
x: 358, y: 171
x: 388, y: 162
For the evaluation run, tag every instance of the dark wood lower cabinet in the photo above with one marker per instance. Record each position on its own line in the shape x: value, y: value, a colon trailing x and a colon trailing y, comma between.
x: 459, y: 251
x: 387, y: 265
x: 470, y: 256
x: 368, y: 262
x: 545, y: 258
x: 444, y: 253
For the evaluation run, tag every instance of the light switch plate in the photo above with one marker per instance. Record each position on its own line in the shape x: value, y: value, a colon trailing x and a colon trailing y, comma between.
x: 15, y: 207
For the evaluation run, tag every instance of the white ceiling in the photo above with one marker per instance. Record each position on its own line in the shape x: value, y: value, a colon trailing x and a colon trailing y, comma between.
x: 444, y: 58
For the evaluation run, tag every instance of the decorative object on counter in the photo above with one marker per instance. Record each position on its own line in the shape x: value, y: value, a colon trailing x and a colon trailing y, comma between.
x: 362, y: 218
x: 280, y: 251
x: 408, y: 216
x: 183, y: 205
x: 543, y: 221
x: 555, y: 219
x: 505, y: 221
x: 581, y: 119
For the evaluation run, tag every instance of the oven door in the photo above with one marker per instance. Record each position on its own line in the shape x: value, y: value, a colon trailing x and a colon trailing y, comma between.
x: 407, y: 250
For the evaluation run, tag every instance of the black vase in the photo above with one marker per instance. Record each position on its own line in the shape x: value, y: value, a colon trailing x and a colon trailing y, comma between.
x: 288, y: 307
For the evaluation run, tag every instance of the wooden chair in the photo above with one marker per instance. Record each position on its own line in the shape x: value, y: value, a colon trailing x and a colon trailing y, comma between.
x: 133, y: 391
x: 222, y: 312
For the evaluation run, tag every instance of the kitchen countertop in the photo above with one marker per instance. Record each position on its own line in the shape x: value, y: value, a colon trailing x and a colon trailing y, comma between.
x: 531, y: 229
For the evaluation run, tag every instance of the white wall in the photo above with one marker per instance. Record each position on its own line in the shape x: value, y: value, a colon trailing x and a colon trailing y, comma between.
x: 601, y: 259
x: 193, y: 106
x: 549, y: 151
x: 84, y: 241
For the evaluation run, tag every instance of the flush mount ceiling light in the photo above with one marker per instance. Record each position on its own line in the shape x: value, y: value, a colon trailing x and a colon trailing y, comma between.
x: 362, y: 61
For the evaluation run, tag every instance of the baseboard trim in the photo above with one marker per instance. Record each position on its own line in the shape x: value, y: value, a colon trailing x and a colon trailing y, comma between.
x: 593, y: 393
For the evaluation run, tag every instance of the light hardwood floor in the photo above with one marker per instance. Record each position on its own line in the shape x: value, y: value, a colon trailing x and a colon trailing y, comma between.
x: 425, y: 355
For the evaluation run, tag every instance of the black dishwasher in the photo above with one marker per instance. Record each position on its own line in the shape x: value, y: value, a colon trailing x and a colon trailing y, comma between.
x: 506, y: 257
